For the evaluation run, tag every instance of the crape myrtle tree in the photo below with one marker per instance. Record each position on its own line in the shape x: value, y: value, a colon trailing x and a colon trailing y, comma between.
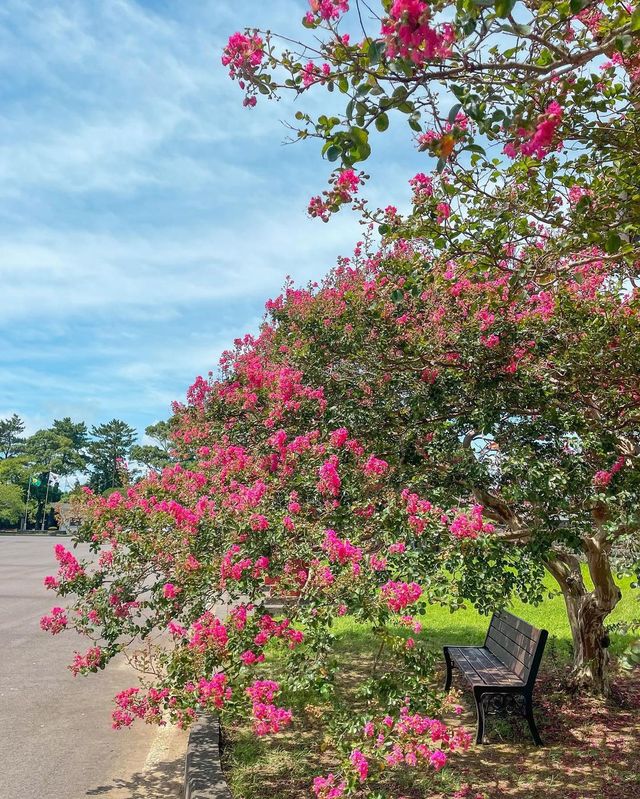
x: 442, y: 418
x: 399, y: 436
x: 527, y: 116
x: 277, y: 496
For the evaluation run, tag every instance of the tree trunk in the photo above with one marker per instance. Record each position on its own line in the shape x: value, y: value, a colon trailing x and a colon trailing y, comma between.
x: 587, y: 611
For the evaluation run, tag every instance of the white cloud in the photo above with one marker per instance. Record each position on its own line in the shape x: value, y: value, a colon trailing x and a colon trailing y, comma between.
x: 145, y: 216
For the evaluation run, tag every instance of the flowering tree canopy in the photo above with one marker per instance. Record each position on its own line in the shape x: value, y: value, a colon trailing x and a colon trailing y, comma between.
x: 398, y: 436
x: 527, y: 115
x: 494, y: 94
x: 445, y: 416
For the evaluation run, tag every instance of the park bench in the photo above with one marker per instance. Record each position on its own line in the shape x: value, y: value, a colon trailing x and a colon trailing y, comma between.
x: 502, y: 673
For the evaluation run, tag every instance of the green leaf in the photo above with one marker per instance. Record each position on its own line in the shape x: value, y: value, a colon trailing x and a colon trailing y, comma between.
x: 583, y: 204
x: 359, y: 135
x: 623, y: 43
x: 382, y: 122
x: 635, y: 20
x: 440, y: 165
x: 334, y: 152
x: 414, y: 124
x: 383, y: 229
x: 453, y: 113
x: 613, y: 243
x: 577, y: 5
x: 475, y: 148
x: 504, y: 7
x: 343, y: 84
x: 376, y: 51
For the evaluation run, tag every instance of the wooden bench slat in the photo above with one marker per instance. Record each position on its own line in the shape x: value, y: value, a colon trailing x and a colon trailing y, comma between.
x: 496, y: 638
x: 492, y: 670
x: 494, y: 633
x: 521, y: 640
x: 520, y: 626
x: 509, y: 659
x: 482, y: 668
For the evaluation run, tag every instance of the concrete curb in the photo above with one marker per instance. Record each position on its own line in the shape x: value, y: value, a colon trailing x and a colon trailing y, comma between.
x: 203, y: 778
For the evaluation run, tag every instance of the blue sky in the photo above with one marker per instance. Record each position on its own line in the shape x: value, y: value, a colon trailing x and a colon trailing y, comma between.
x: 146, y: 216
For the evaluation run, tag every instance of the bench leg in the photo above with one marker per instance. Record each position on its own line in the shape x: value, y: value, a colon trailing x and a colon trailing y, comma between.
x: 477, y: 695
x: 528, y: 711
x: 447, y: 658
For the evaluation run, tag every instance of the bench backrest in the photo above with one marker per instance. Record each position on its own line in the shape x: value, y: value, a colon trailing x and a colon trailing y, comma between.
x: 517, y: 644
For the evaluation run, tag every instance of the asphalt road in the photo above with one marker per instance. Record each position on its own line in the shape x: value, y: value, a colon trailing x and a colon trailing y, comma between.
x: 56, y: 740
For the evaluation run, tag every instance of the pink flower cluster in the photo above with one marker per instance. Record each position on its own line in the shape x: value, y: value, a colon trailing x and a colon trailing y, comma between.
x: 469, y: 524
x: 268, y: 717
x: 213, y: 692
x: 416, y: 509
x: 422, y: 186
x: 327, y: 9
x: 243, y: 55
x: 602, y: 478
x: 231, y: 569
x: 69, y: 568
x: 339, y: 437
x: 410, y: 747
x: 399, y: 595
x: 130, y: 706
x: 208, y: 632
x: 311, y: 74
x: 56, y: 622
x: 170, y: 591
x: 576, y: 193
x: 344, y: 185
x: 330, y: 481
x: 328, y: 787
x: 360, y: 764
x: 409, y: 34
x: 90, y: 661
x: 541, y: 142
x: 409, y: 741
x: 375, y: 466
x: 340, y: 550
x: 270, y: 628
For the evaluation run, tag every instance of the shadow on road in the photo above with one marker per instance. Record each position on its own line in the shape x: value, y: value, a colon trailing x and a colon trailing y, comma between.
x: 162, y: 781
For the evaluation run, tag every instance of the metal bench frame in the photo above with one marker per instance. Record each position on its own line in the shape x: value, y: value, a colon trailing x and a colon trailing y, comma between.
x: 503, y: 670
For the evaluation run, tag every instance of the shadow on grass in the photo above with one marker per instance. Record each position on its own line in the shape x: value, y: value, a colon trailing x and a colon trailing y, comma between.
x: 163, y: 781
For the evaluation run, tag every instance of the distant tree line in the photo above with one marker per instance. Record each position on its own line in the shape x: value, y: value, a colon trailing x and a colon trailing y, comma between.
x: 103, y: 456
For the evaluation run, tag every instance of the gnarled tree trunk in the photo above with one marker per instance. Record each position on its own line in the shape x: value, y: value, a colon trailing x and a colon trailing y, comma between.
x: 587, y: 611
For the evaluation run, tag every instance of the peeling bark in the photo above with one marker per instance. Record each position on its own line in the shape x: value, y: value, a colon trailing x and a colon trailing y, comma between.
x: 587, y: 611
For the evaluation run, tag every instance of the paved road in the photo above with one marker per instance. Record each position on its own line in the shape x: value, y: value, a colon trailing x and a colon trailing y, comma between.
x: 56, y: 738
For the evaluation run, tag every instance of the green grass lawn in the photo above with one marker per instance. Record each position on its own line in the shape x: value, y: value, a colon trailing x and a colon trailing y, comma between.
x: 467, y: 626
x: 591, y: 745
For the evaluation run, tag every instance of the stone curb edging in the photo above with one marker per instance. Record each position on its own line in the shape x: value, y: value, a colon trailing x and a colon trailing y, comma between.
x: 203, y: 778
